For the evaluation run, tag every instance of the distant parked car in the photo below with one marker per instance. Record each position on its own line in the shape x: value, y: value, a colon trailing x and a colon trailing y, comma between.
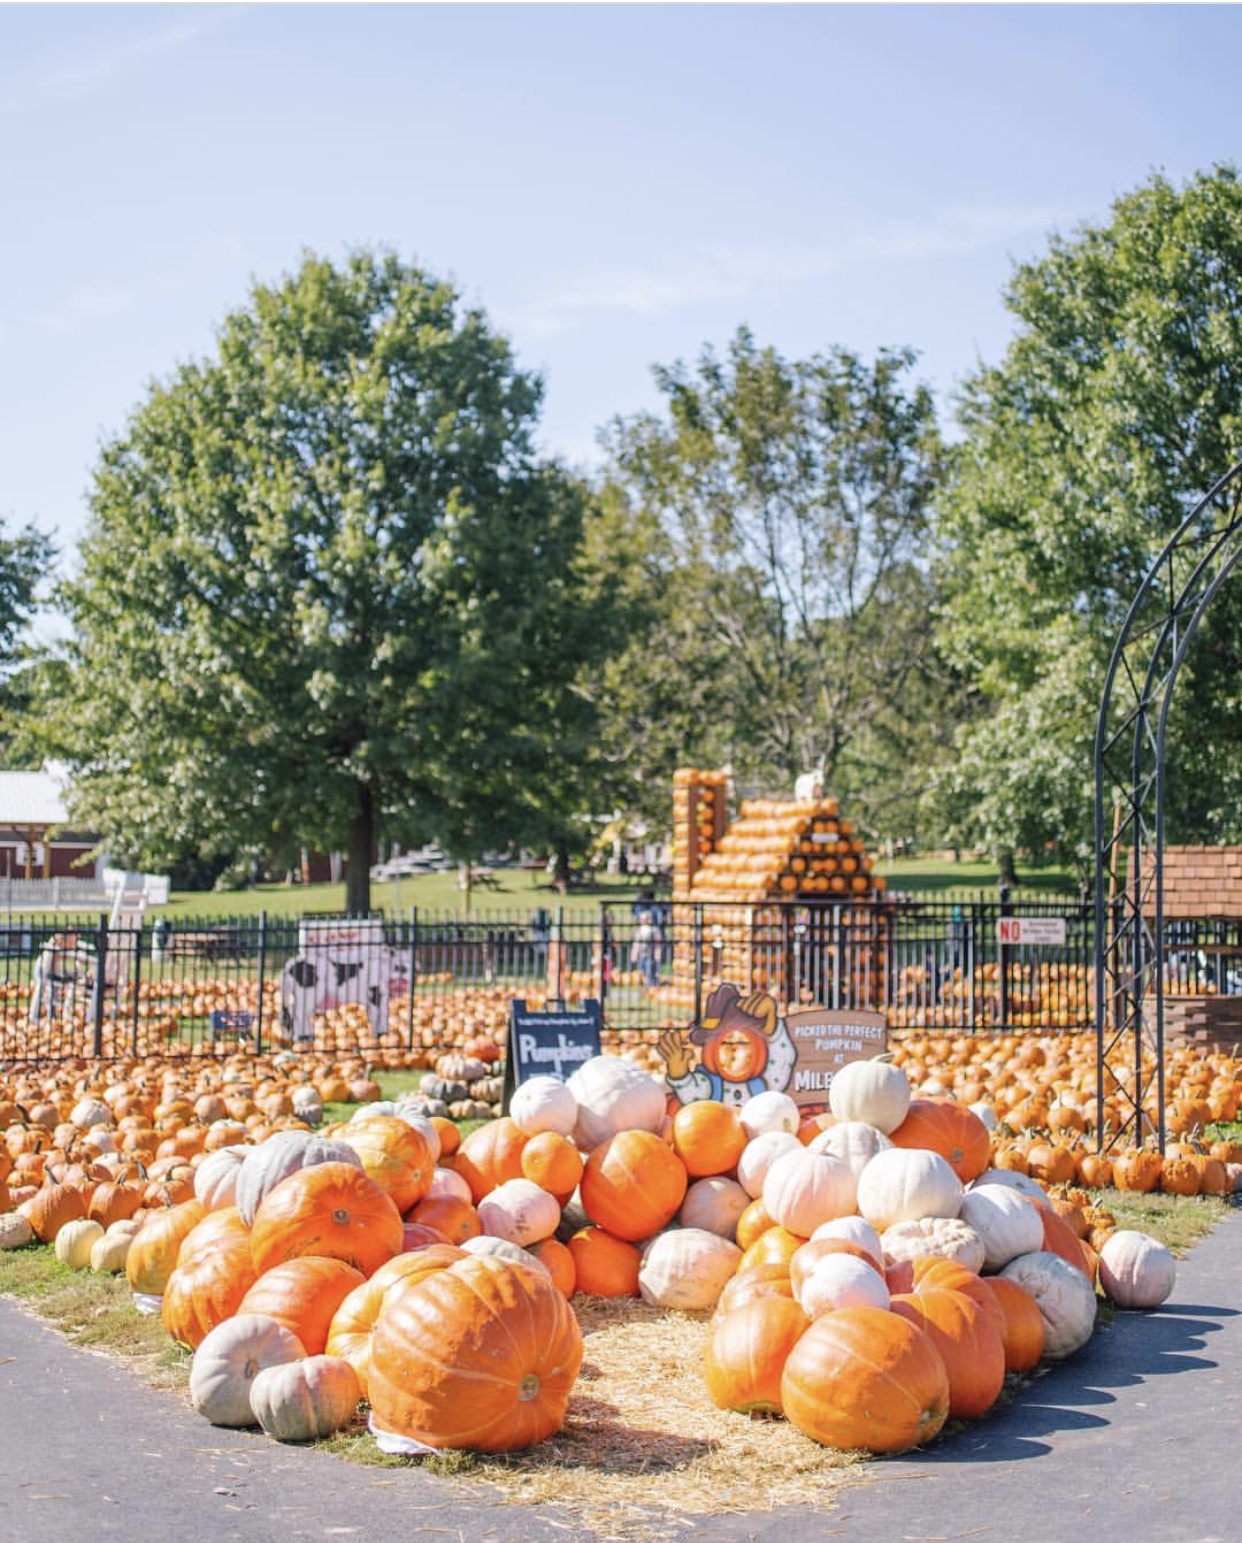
x: 428, y: 859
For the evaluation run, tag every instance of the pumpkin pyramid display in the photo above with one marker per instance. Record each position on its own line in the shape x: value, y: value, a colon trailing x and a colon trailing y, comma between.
x: 802, y: 849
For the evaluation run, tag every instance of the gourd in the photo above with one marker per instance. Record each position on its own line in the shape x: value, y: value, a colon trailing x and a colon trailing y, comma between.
x: 940, y: 1237
x: 305, y: 1400
x: 228, y: 1360
x: 687, y: 1269
x: 1136, y: 1271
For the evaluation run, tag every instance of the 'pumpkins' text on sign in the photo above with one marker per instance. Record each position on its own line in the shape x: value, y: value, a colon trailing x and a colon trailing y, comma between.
x: 552, y: 1043
x: 825, y: 1039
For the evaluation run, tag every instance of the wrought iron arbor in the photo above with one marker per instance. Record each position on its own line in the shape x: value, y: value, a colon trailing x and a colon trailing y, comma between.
x: 1129, y: 785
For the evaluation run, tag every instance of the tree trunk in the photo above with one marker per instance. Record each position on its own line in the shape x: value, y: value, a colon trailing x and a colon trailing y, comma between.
x: 1008, y: 874
x: 465, y: 882
x: 560, y: 876
x: 360, y: 840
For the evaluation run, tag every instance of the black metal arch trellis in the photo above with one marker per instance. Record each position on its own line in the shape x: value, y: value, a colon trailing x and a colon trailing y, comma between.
x: 1129, y: 785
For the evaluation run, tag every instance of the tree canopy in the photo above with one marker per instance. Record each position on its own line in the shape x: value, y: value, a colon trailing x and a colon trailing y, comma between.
x: 1118, y: 403
x: 782, y: 509
x: 328, y: 594
x: 25, y: 556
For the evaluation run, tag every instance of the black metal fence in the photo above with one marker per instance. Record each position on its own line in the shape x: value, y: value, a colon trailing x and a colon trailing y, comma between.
x: 77, y: 987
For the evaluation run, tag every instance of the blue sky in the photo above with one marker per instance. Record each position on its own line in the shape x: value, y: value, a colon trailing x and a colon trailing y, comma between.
x: 617, y: 185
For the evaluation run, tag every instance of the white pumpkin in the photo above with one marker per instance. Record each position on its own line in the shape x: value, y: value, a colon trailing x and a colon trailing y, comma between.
x: 687, y: 1268
x: 759, y: 1154
x: 215, y: 1178
x: 502, y: 1248
x: 15, y: 1230
x: 853, y: 1229
x: 840, y: 1280
x: 109, y: 1253
x: 1136, y: 1270
x: 308, y: 1104
x: 874, y: 1091
x: 985, y: 1112
x: 1022, y: 1182
x: 520, y: 1212
x: 1007, y: 1222
x: 770, y: 1111
x: 613, y: 1095
x: 939, y: 1237
x: 90, y: 1111
x: 447, y: 1183
x: 228, y: 1360
x: 905, y: 1185
x: 305, y: 1400
x: 74, y: 1242
x: 544, y: 1103
x: 1064, y: 1296
x: 853, y: 1141
x: 714, y: 1204
x: 804, y: 1188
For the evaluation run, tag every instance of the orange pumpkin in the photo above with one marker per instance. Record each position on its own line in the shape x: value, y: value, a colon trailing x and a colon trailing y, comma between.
x: 953, y: 1130
x: 865, y: 1379
x: 746, y: 1351
x: 970, y: 1343
x: 303, y: 1294
x: 559, y: 1262
x: 457, y: 1219
x: 208, y: 1283
x: 754, y: 1221
x: 604, y: 1265
x: 758, y: 1280
x: 775, y: 1245
x: 633, y: 1185
x: 353, y: 1323
x: 553, y: 1162
x: 708, y: 1136
x: 331, y: 1210
x: 481, y: 1355
x: 396, y: 1154
x: 152, y: 1255
x: 490, y: 1155
x: 1022, y: 1333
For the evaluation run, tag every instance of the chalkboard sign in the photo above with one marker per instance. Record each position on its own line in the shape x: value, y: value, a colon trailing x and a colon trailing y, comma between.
x: 552, y: 1042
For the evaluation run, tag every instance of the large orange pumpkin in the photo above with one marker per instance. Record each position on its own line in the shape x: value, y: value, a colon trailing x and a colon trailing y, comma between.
x: 152, y: 1255
x: 970, y: 1344
x: 481, y: 1355
x: 395, y: 1154
x: 489, y: 1156
x: 208, y: 1283
x: 953, y: 1130
x: 303, y: 1294
x: 633, y: 1185
x: 758, y: 1280
x: 746, y: 1352
x: 353, y: 1323
x: 332, y: 1210
x: 865, y: 1379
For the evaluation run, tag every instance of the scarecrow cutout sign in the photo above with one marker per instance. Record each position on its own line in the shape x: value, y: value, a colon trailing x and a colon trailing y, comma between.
x: 743, y: 1047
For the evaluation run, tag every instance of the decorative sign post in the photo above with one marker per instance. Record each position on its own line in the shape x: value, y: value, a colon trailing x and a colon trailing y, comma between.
x: 553, y: 1042
x: 826, y: 1040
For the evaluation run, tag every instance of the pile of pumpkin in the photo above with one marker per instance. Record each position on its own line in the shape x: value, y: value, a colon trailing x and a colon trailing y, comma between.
x: 867, y: 1273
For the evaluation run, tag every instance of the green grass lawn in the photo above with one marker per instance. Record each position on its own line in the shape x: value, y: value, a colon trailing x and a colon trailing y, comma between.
x: 523, y: 890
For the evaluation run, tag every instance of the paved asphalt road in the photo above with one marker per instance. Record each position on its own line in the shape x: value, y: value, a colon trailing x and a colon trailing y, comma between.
x: 1110, y: 1440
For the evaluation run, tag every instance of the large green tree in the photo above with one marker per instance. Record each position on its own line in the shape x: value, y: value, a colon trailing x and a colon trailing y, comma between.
x: 783, y: 509
x: 1117, y: 403
x: 25, y: 558
x: 328, y: 595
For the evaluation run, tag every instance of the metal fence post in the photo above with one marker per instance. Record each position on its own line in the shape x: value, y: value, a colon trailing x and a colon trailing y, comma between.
x: 137, y: 984
x: 698, y: 963
x: 262, y: 963
x: 1002, y: 954
x: 101, y: 965
x: 412, y: 976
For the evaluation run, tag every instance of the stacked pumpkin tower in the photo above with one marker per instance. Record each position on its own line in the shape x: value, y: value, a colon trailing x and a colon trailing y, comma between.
x: 775, y: 850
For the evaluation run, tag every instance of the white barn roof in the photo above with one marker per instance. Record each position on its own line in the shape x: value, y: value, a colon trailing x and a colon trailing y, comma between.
x: 29, y: 798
